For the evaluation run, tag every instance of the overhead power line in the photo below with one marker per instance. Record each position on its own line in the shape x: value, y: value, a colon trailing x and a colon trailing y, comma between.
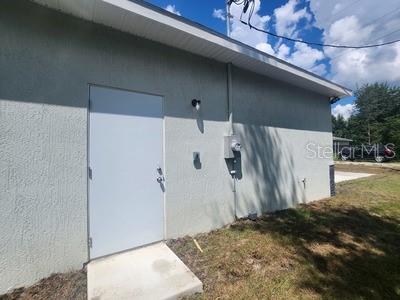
x: 344, y: 9
x: 319, y: 44
x: 249, y: 4
x: 381, y: 37
x: 374, y: 21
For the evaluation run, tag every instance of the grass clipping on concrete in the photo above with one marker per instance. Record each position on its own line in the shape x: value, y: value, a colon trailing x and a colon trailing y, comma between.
x: 346, y: 247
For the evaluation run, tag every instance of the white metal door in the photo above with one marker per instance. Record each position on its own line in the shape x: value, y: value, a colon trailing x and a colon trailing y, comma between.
x: 126, y: 203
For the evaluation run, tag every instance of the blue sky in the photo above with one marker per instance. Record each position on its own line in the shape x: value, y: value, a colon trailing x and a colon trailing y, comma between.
x: 351, y: 22
x: 201, y: 11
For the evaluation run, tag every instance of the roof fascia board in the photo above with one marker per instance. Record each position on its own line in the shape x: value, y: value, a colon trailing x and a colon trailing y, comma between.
x: 181, y: 24
x: 102, y: 10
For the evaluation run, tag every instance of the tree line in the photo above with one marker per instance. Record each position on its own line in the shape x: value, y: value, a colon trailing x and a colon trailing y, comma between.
x: 376, y: 118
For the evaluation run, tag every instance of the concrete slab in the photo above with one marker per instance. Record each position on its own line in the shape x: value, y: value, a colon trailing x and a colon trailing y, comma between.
x: 152, y: 272
x: 385, y: 165
x: 345, y: 176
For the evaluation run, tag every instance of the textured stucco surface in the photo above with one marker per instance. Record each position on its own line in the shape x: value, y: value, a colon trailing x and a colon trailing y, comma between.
x: 42, y: 191
x: 275, y: 123
x: 47, y: 61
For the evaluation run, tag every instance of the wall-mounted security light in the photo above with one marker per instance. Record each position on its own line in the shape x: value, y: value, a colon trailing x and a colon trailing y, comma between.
x: 196, y: 104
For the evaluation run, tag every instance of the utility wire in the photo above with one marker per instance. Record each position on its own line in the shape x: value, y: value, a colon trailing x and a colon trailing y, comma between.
x: 320, y: 44
x: 372, y: 22
x: 381, y: 37
x: 382, y: 17
x: 343, y: 9
x: 248, y: 3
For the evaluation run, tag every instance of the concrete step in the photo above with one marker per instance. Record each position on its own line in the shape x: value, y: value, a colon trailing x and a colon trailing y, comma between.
x: 151, y: 272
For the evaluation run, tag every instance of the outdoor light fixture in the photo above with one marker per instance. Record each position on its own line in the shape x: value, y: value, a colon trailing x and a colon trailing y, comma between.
x: 196, y: 104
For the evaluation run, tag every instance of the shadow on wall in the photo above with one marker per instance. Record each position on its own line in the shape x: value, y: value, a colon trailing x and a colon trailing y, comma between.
x: 273, y: 119
x: 199, y: 120
x: 102, y: 55
x: 267, y: 181
x: 92, y: 53
x: 234, y: 166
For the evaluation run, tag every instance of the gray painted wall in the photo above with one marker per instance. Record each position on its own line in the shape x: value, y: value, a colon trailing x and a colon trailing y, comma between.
x: 42, y: 191
x: 47, y: 61
x: 275, y: 123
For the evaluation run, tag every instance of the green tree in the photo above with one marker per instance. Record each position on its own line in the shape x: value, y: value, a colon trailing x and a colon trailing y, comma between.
x: 374, y: 104
x: 376, y: 118
x: 356, y: 129
x: 339, y: 126
x: 390, y: 131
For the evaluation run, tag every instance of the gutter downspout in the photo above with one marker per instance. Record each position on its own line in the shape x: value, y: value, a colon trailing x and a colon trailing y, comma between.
x: 230, y: 104
x: 231, y: 131
x: 230, y: 100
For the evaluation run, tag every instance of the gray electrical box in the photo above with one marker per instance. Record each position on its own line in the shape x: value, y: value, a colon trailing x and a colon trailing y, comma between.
x: 231, y: 144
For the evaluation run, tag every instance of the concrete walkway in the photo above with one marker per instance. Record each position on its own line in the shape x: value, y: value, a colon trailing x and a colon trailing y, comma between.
x: 387, y: 165
x: 152, y: 272
x: 345, y: 176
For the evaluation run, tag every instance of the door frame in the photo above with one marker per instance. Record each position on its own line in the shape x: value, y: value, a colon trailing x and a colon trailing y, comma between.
x: 88, y: 160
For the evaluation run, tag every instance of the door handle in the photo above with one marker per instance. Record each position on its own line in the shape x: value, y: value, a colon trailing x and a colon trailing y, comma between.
x: 160, y: 177
x: 159, y: 170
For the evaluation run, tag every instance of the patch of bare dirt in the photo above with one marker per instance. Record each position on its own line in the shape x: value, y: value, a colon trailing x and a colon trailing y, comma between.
x: 66, y: 286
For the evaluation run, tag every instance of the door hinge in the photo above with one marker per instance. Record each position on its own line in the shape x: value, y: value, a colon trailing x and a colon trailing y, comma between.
x: 90, y: 172
x: 90, y: 242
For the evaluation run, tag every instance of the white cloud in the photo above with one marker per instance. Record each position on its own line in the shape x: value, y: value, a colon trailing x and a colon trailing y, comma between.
x: 357, y: 67
x: 219, y: 14
x: 267, y: 48
x: 304, y: 57
x: 171, y: 8
x: 364, y: 23
x: 243, y: 33
x: 287, y: 18
x: 319, y: 69
x: 341, y: 22
x: 283, y: 51
x: 344, y: 110
x: 347, y: 30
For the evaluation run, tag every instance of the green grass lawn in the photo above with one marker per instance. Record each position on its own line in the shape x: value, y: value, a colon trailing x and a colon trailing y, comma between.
x: 346, y: 247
